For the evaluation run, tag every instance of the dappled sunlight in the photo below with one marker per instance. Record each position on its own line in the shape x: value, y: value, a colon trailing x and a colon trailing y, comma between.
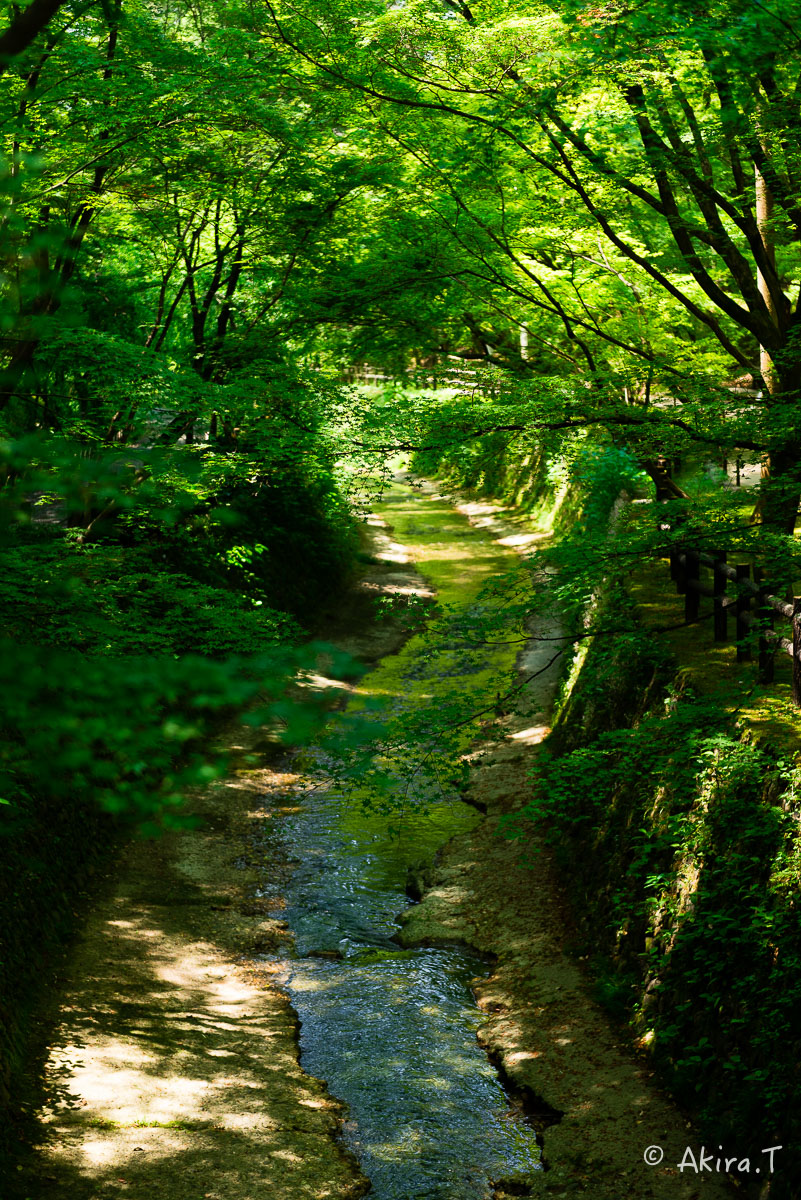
x: 322, y: 683
x: 385, y: 547
x: 197, y: 1070
x: 176, y: 1046
x: 411, y: 587
x: 532, y: 736
x: 176, y: 1055
x: 522, y: 541
x: 521, y: 1056
x: 452, y: 668
x: 393, y: 552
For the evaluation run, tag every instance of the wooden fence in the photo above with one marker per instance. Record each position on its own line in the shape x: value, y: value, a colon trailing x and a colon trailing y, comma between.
x: 751, y: 605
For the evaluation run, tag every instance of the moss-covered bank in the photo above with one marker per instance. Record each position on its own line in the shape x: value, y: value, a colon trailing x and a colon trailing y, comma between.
x: 677, y: 830
x: 678, y: 835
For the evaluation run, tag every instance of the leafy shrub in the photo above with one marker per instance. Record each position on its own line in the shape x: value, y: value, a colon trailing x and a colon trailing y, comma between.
x: 102, y: 601
x: 681, y: 844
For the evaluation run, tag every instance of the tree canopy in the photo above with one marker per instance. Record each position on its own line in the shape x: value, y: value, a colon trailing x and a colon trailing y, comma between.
x: 616, y: 182
x: 565, y: 235
x: 581, y: 218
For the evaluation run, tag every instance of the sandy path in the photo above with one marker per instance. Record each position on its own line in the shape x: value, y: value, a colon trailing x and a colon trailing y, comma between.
x: 180, y: 1056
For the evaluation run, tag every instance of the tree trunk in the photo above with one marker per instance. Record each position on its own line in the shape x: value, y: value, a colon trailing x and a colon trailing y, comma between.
x: 777, y: 506
x: 666, y: 488
x: 25, y: 27
x: 764, y: 215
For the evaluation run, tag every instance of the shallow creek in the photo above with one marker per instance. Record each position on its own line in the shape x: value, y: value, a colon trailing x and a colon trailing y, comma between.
x: 392, y: 1030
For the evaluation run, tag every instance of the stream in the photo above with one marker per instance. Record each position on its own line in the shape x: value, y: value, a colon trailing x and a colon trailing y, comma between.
x: 393, y: 1030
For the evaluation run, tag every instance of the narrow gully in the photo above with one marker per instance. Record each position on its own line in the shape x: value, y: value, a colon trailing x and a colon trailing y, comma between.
x: 392, y: 1030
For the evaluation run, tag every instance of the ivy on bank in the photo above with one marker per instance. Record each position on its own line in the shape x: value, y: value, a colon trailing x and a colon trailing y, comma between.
x: 682, y: 843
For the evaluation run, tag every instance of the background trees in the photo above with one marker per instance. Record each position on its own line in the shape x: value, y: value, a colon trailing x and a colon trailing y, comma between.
x: 617, y: 182
x: 171, y: 511
x: 212, y: 211
x: 168, y: 482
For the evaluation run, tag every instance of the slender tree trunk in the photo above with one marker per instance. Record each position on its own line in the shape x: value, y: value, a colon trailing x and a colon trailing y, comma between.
x: 764, y: 215
x: 26, y: 26
x: 779, y: 500
x: 48, y: 300
x: 764, y: 212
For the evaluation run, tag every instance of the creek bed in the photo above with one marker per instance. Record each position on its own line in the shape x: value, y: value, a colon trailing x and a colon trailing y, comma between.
x: 393, y: 1030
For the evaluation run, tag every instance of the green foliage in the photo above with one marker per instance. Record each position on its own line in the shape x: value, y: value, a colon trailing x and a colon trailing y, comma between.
x: 179, y: 552
x: 128, y: 734
x: 551, y: 212
x: 680, y: 840
x: 103, y: 601
x: 602, y: 473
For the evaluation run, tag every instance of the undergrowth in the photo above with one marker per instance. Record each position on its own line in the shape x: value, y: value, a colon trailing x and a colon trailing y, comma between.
x: 681, y: 842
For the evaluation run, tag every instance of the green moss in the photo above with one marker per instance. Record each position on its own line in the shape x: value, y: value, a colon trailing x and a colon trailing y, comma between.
x: 678, y: 833
x: 435, y: 693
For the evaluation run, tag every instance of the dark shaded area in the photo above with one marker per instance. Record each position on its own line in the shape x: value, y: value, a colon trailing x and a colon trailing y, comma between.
x: 55, y: 862
x: 677, y: 840
x: 25, y: 28
x: 533, y: 1109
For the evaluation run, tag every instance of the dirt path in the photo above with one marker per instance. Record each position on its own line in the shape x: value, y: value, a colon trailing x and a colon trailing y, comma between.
x: 180, y: 1055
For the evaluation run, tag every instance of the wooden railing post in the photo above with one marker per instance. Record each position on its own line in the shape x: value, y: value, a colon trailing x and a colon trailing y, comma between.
x: 765, y: 618
x: 692, y: 575
x: 741, y: 612
x: 676, y: 552
x: 680, y: 570
x: 719, y: 598
x: 767, y: 608
x: 797, y: 651
x: 674, y: 563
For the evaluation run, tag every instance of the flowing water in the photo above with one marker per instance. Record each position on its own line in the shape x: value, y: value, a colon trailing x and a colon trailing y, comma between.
x: 393, y: 1030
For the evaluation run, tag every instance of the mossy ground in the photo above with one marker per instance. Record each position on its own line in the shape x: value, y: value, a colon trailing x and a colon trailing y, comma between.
x: 458, y: 561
